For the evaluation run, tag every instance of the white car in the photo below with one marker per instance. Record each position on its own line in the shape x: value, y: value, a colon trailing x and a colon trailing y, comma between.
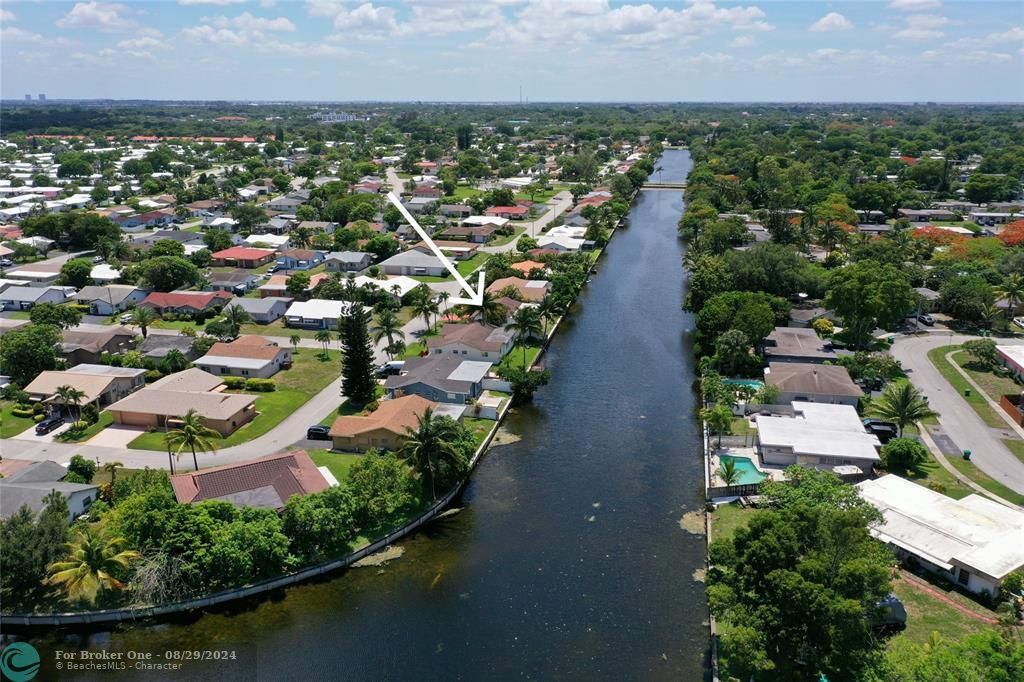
x: 126, y: 318
x: 1019, y: 321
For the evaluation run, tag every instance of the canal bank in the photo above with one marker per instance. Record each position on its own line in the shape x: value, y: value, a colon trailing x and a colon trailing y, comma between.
x: 567, y: 558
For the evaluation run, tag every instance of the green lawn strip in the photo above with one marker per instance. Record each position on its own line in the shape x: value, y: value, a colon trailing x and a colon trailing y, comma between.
x: 465, y: 267
x: 276, y: 328
x: 102, y: 476
x: 1016, y: 446
x: 178, y: 324
x: 462, y: 193
x: 727, y: 518
x: 926, y: 614
x: 934, y: 474
x: 539, y: 197
x: 106, y: 419
x: 18, y: 315
x: 972, y: 472
x: 960, y: 385
x: 501, y: 241
x: 9, y: 424
x: 338, y: 462
x: 515, y: 357
x: 741, y: 427
x: 993, y: 384
x: 430, y: 279
x: 479, y: 427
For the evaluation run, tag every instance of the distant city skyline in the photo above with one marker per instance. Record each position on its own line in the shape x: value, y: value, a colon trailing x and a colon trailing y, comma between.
x: 556, y: 50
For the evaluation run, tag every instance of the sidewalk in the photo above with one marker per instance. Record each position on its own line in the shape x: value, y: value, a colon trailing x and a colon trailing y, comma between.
x: 980, y: 391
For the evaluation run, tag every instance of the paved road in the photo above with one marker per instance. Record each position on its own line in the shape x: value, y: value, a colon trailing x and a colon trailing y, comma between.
x: 560, y: 203
x: 397, y: 184
x: 958, y: 419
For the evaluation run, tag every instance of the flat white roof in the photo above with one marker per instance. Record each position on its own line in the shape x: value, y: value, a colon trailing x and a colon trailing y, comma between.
x: 231, y: 361
x: 1014, y: 354
x: 405, y: 284
x: 317, y: 309
x: 470, y: 370
x: 976, y: 532
x: 822, y: 430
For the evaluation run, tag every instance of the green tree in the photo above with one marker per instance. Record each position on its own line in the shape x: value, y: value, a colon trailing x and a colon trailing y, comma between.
x: 389, y: 327
x: 27, y: 351
x: 719, y: 420
x: 174, y: 361
x: 297, y: 284
x: 381, y: 488
x: 436, y: 450
x: 167, y: 247
x: 193, y: 434
x: 71, y: 397
x: 143, y: 317
x: 167, y: 273
x: 905, y: 454
x: 61, y: 316
x: 867, y: 295
x: 323, y: 337
x: 320, y: 526
x: 525, y: 325
x: 966, y: 297
x: 732, y: 352
x: 984, y: 352
x: 30, y: 543
x: 111, y: 469
x: 217, y: 240
x: 91, y: 566
x: 902, y: 404
x: 524, y: 382
x: 1012, y: 289
x: 729, y: 472
x: 248, y: 216
x: 76, y: 272
x: 357, y: 380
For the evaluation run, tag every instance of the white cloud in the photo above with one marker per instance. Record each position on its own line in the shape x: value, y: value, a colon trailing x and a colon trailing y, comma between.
x: 833, y: 21
x: 1013, y: 35
x: 922, y: 27
x: 247, y: 22
x: 366, y: 19
x: 210, y: 2
x: 304, y: 49
x: 436, y: 18
x: 214, y: 36
x: 13, y: 34
x: 141, y: 48
x: 97, y: 15
x: 742, y: 41
x: 914, y: 5
x: 826, y: 53
x: 6, y: 15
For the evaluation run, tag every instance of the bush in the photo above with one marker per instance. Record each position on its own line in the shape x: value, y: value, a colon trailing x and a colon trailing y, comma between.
x: 72, y: 477
x: 38, y: 408
x: 79, y: 426
x: 169, y: 317
x: 152, y: 375
x: 234, y: 382
x: 90, y: 413
x: 260, y: 385
x: 24, y: 413
x: 82, y: 467
x: 823, y: 327
x: 903, y: 453
x: 38, y: 418
x: 80, y: 307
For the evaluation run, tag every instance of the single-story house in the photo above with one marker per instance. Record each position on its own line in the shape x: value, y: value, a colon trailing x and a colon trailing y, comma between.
x: 797, y: 344
x: 527, y: 266
x: 262, y: 310
x: 283, y: 204
x: 924, y: 215
x: 442, y: 378
x: 234, y: 282
x: 414, y: 262
x: 187, y: 302
x: 27, y: 483
x: 85, y: 346
x: 474, y: 341
x: 532, y: 290
x: 974, y: 542
x: 300, y: 259
x: 404, y: 284
x: 479, y: 220
x: 162, y: 404
x: 805, y: 317
x: 475, y: 234
x: 243, y: 256
x: 455, y: 210
x: 101, y: 384
x: 929, y: 299
x: 809, y: 382
x: 272, y: 241
x: 266, y: 483
x: 1012, y: 358
x: 34, y: 276
x: 383, y: 429
x: 559, y: 243
x: 316, y: 313
x: 508, y: 212
x: 347, y: 261
x: 25, y: 298
x: 253, y: 357
x: 420, y: 204
x: 205, y: 207
x: 819, y: 436
x: 114, y: 298
x: 156, y: 346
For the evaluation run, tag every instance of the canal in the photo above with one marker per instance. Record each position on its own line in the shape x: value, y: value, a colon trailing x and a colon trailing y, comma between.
x: 567, y: 560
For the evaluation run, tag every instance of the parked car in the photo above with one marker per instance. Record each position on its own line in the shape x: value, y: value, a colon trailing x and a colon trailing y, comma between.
x: 318, y: 432
x: 1019, y: 321
x: 6, y: 262
x: 389, y: 369
x: 125, y: 319
x: 48, y: 424
x: 97, y: 259
x: 890, y: 614
x: 926, y: 319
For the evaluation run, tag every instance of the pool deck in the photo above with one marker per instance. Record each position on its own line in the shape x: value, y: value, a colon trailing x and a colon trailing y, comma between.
x: 775, y: 473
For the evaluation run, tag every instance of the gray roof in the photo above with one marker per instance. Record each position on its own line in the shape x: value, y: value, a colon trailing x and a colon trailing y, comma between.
x: 31, y: 485
x: 414, y: 258
x: 799, y: 342
x: 158, y: 345
x: 802, y: 377
x: 259, y: 305
x: 26, y: 294
x: 180, y: 236
x: 347, y: 256
x: 113, y: 294
x: 231, y: 277
x: 445, y: 373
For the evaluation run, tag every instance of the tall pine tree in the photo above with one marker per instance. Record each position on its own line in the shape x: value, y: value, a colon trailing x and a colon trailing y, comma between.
x: 357, y: 380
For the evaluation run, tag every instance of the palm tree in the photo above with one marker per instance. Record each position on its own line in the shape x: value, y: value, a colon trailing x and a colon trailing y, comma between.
x: 432, y: 448
x: 442, y: 299
x: 90, y: 566
x: 425, y: 306
x: 294, y: 340
x: 525, y: 325
x: 70, y: 396
x: 549, y: 309
x: 902, y: 404
x: 143, y: 317
x: 111, y: 468
x: 235, y: 317
x: 323, y: 337
x: 388, y: 326
x: 175, y: 361
x: 718, y: 419
x: 1012, y: 289
x: 728, y: 472
x: 300, y: 237
x: 192, y: 434
x: 830, y: 235
x: 491, y: 311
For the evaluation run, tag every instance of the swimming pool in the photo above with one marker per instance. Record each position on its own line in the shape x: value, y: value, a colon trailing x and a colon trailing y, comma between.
x: 749, y: 474
x: 752, y: 383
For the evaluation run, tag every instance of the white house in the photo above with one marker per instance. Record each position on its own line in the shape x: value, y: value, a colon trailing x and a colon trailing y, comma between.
x: 819, y: 436
x: 974, y: 542
x: 109, y: 299
x: 316, y: 313
x: 23, y: 298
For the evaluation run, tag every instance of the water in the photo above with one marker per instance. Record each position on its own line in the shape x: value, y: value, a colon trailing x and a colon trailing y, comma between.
x: 749, y: 474
x: 568, y: 560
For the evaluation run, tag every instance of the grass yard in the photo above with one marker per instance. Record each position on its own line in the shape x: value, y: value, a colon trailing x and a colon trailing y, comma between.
x: 106, y: 419
x: 102, y: 477
x: 949, y: 373
x: 466, y: 267
x: 1015, y: 446
x: 926, y: 614
x: 539, y: 197
x: 933, y: 473
x: 741, y: 427
x: 515, y: 357
x: 972, y: 472
x: 727, y: 518
x: 479, y: 427
x: 309, y: 375
x: 463, y: 192
x: 9, y: 424
x: 338, y: 462
x: 430, y: 279
x: 501, y: 241
x: 18, y: 315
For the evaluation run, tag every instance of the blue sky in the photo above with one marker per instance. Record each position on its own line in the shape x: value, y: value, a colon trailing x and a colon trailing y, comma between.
x: 466, y: 50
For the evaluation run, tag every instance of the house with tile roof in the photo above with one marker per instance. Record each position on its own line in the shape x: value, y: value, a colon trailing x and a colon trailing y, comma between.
x: 383, y: 428
x: 252, y: 357
x: 186, y: 302
x: 474, y: 341
x: 266, y: 483
x: 531, y: 290
x: 243, y: 257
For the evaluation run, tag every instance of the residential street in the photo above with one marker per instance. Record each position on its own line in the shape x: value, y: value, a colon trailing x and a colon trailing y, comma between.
x: 560, y: 203
x: 958, y: 419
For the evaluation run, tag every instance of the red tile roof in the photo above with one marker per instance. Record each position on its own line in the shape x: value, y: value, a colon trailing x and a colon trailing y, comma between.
x: 243, y: 253
x: 511, y: 210
x: 194, y: 299
x: 288, y: 473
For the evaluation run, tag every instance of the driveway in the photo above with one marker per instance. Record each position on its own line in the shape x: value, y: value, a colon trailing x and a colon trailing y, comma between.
x: 959, y: 420
x: 29, y: 434
x: 116, y: 436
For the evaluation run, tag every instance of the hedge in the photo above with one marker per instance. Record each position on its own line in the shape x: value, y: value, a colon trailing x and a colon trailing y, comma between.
x: 260, y: 385
x: 234, y: 382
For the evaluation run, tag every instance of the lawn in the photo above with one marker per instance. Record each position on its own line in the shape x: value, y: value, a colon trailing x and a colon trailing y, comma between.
x: 309, y: 375
x: 349, y: 408
x: 741, y: 427
x: 106, y: 419
x: 956, y: 380
x: 276, y: 328
x: 338, y: 462
x: 1015, y: 446
x: 926, y: 614
x: 972, y: 472
x: 102, y: 477
x: 466, y: 267
x: 501, y: 241
x: 18, y: 315
x: 993, y: 384
x: 463, y: 192
x: 727, y: 518
x: 9, y: 424
x: 479, y: 427
x: 429, y: 279
x: 540, y: 197
x: 515, y: 357
x: 933, y: 473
